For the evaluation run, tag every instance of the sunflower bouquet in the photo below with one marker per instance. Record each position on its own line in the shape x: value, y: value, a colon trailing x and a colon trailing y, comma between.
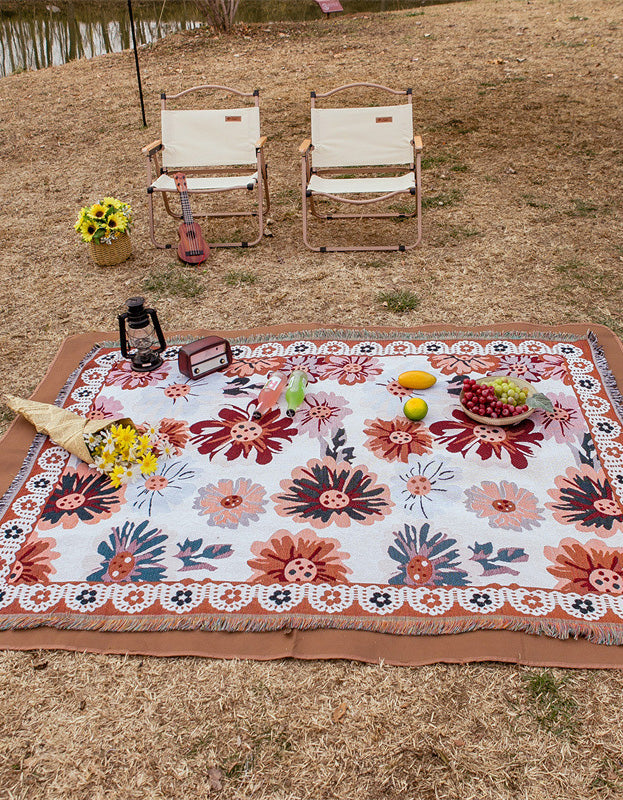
x: 104, y: 221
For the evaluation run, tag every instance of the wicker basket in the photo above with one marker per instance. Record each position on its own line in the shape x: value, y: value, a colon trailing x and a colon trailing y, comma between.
x: 107, y: 255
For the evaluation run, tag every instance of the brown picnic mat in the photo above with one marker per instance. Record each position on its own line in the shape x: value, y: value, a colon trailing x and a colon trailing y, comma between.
x: 345, y: 530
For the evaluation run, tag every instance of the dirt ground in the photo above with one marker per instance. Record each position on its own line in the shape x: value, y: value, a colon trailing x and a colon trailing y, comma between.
x: 519, y: 106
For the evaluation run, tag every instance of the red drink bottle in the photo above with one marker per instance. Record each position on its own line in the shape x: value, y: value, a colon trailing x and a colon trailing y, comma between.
x: 270, y: 393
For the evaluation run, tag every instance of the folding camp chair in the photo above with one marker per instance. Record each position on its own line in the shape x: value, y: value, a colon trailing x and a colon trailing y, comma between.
x: 375, y: 142
x: 215, y: 149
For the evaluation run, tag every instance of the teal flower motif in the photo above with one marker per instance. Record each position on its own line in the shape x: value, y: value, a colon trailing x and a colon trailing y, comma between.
x: 132, y: 553
x: 426, y: 560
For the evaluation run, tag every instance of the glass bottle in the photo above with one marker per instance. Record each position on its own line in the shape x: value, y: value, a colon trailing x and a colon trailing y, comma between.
x: 295, y: 392
x: 270, y: 393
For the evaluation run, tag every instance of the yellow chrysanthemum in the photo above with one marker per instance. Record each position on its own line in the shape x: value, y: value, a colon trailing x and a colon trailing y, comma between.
x: 118, y: 475
x: 149, y: 464
x: 123, y: 435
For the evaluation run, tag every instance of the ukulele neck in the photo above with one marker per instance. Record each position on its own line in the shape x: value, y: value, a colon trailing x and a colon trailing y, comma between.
x: 186, y: 212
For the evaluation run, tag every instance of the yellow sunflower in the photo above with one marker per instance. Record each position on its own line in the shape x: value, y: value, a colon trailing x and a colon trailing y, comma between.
x: 112, y: 202
x: 116, y: 223
x: 88, y: 230
x: 97, y: 210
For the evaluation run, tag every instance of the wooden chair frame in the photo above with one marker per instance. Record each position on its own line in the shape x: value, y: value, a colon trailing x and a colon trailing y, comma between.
x: 308, y: 170
x: 155, y: 168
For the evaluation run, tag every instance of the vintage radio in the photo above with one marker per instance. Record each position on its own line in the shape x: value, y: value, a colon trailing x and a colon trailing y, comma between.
x: 204, y: 356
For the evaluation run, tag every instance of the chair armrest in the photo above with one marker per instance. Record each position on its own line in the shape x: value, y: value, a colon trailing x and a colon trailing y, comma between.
x: 304, y: 147
x: 417, y: 142
x: 261, y: 142
x: 152, y: 148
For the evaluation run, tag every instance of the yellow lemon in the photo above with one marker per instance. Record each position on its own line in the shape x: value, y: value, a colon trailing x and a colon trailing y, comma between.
x: 416, y: 379
x: 415, y: 408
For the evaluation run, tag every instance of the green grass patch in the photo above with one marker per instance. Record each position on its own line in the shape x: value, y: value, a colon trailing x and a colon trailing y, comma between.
x: 583, y: 208
x: 399, y: 300
x: 550, y: 703
x: 240, y: 277
x: 375, y: 264
x: 173, y: 282
x: 569, y: 266
x: 533, y: 202
x: 442, y: 199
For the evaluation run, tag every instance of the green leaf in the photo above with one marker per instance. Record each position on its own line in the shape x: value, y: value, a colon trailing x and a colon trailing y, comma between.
x: 540, y: 401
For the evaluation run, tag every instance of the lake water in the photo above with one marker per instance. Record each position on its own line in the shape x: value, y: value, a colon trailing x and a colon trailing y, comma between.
x: 40, y: 34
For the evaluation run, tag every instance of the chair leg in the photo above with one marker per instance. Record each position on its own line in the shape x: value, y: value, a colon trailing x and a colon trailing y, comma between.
x: 309, y: 202
x: 152, y: 227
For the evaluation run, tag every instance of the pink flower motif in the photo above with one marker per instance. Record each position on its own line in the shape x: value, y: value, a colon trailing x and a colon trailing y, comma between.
x: 321, y: 414
x: 312, y: 365
x: 565, y: 421
x: 349, y: 370
x: 586, y: 568
x: 105, y: 408
x: 583, y: 497
x: 397, y: 439
x: 535, y: 368
x: 504, y: 505
x: 244, y: 367
x: 178, y: 391
x: 395, y: 389
x: 229, y: 503
x: 123, y: 375
x: 452, y: 364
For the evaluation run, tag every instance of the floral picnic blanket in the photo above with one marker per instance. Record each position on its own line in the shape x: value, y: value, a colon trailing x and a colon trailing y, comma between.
x: 347, y: 515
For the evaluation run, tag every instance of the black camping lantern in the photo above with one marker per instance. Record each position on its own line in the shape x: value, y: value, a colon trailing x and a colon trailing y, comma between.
x: 140, y: 336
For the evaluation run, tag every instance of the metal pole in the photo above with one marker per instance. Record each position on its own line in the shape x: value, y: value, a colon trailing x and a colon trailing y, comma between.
x: 138, y: 71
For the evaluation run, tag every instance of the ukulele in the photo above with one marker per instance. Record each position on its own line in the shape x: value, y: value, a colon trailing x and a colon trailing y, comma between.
x: 192, y: 248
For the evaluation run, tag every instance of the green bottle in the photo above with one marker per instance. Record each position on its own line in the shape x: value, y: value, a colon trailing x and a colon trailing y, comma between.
x: 295, y: 391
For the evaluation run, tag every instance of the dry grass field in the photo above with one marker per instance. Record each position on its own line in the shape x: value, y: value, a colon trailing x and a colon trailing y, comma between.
x: 519, y: 106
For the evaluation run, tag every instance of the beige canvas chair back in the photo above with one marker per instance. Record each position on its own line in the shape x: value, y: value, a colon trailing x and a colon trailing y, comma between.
x: 210, y: 138
x: 361, y: 137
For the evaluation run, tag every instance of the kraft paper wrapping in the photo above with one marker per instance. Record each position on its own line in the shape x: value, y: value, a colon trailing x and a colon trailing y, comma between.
x: 62, y: 426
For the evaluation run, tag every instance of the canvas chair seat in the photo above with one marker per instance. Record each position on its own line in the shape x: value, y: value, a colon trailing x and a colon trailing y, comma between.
x: 337, y: 186
x: 217, y: 183
x: 375, y: 143
x: 218, y: 150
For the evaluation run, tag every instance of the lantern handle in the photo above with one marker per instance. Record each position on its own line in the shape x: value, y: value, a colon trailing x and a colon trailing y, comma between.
x: 154, y: 316
x: 123, y: 342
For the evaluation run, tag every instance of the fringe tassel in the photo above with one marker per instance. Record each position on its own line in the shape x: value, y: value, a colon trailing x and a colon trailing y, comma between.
x: 607, y: 376
x: 603, y: 634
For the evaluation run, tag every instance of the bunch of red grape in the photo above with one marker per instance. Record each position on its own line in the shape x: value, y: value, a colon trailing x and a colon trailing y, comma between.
x: 491, y: 400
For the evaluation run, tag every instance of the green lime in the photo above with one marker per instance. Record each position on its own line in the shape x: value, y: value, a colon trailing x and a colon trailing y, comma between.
x: 415, y: 408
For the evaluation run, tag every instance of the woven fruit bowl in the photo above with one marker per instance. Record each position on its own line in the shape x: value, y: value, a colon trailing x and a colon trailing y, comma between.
x: 523, y: 385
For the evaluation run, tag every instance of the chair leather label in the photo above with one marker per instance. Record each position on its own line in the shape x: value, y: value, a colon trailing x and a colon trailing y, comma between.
x: 384, y: 119
x: 233, y: 119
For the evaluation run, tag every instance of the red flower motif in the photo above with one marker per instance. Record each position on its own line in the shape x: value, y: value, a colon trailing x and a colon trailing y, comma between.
x: 33, y: 561
x: 349, y: 370
x: 396, y: 439
x: 590, y: 567
x: 326, y: 492
x: 461, y: 434
x: 237, y: 434
x: 300, y: 558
